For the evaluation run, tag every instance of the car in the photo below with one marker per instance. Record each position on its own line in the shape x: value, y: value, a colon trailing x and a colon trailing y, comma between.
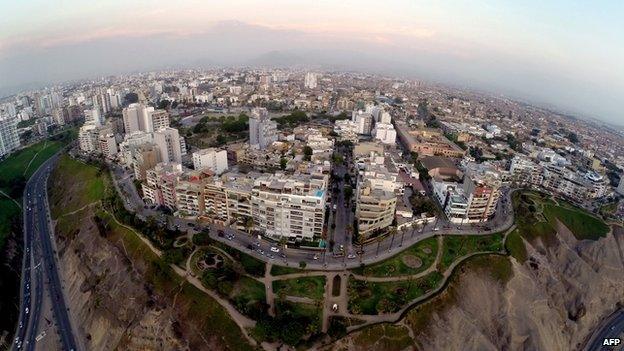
x: 27, y: 310
x: 257, y: 243
x: 270, y: 256
x: 274, y: 249
x: 335, y: 207
x: 436, y: 229
x: 230, y: 237
x: 341, y: 247
x: 283, y: 255
x: 220, y: 234
x: 261, y: 252
x: 315, y: 257
x: 351, y: 256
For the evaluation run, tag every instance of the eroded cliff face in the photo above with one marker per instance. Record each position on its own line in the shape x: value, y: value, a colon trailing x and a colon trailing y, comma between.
x: 112, y: 307
x: 552, y: 301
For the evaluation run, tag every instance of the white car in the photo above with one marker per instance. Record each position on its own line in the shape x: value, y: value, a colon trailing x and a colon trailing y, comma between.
x: 315, y: 257
x: 274, y: 249
x: 351, y: 256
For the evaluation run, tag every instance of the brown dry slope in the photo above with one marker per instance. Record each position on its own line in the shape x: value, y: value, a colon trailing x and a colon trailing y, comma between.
x: 121, y: 295
x: 552, y: 301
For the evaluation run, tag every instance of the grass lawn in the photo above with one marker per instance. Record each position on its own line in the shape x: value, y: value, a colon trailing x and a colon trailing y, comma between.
x: 198, y: 309
x: 385, y: 336
x: 582, y: 224
x: 281, y: 270
x: 251, y: 265
x: 312, y: 287
x: 8, y: 211
x: 424, y: 251
x: 388, y: 297
x: 455, y: 246
x: 21, y: 164
x: 88, y: 185
x: 515, y: 246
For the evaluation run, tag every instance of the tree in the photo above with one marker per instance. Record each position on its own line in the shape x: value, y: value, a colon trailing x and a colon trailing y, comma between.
x: 573, y: 138
x: 283, y: 163
x: 348, y: 192
x: 307, y: 153
x: 302, y: 264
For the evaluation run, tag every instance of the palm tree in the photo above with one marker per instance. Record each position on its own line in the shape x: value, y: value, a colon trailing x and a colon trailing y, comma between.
x: 249, y: 223
x: 393, y: 231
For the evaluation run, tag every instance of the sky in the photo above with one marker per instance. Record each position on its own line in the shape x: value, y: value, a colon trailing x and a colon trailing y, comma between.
x: 568, y: 54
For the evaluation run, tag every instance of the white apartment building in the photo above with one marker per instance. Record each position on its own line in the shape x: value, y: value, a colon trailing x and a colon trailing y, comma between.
x: 88, y: 138
x: 262, y: 130
x: 9, y: 139
x: 160, y: 184
x: 347, y: 130
x: 108, y: 144
x: 291, y: 207
x: 94, y: 116
x: 364, y: 121
x: 310, y: 80
x: 170, y: 143
x: 376, y: 199
x: 138, y: 117
x: 212, y: 159
x: 385, y: 133
x: 189, y: 198
x: 131, y: 142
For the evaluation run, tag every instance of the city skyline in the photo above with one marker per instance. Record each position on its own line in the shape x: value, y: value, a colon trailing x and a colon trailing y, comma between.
x: 530, y: 51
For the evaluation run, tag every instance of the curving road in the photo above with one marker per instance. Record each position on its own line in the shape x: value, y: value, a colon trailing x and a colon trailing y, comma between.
x: 315, y: 259
x: 613, y: 327
x: 39, y: 269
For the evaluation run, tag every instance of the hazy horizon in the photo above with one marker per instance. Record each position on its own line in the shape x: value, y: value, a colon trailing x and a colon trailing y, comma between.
x: 563, y: 54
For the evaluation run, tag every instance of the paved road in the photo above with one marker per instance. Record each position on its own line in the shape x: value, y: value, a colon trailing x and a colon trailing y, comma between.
x: 321, y: 259
x: 40, y: 261
x: 612, y: 328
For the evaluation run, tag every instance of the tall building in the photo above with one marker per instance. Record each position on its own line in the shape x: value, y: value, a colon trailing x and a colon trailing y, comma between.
x: 212, y: 159
x: 146, y: 157
x: 364, y: 121
x: 9, y: 139
x: 385, y: 133
x: 290, y: 207
x: 482, y: 190
x: 160, y: 183
x: 262, y: 130
x: 108, y: 144
x: 310, y: 81
x: 169, y: 143
x: 94, y: 117
x: 376, y: 198
x: 88, y: 138
x: 157, y: 119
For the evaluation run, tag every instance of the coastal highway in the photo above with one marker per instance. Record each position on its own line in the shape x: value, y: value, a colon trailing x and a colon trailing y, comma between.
x: 40, y: 274
x: 611, y: 328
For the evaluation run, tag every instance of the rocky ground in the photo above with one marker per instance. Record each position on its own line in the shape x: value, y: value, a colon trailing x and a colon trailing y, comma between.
x: 552, y: 301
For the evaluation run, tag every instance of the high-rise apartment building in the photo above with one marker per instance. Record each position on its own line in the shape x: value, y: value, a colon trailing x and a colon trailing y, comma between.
x: 310, y: 81
x: 290, y: 207
x: 169, y: 143
x: 138, y: 117
x: 146, y: 157
x: 9, y: 139
x: 376, y: 198
x: 212, y: 159
x: 262, y: 130
x: 364, y: 121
